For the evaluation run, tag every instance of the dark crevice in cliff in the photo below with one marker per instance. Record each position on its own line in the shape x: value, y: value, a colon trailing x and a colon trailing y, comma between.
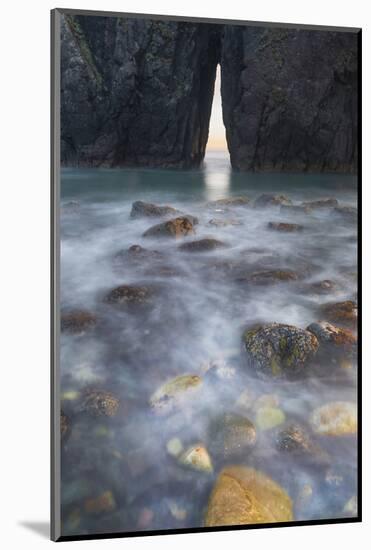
x: 139, y: 92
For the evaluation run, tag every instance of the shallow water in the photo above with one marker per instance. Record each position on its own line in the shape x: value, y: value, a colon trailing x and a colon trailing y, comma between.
x: 201, y: 308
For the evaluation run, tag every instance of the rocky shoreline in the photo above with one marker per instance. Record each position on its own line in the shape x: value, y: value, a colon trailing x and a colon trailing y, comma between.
x: 234, y: 462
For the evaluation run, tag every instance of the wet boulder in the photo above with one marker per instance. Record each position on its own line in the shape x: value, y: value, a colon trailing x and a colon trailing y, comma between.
x: 341, y: 313
x: 294, y: 439
x: 285, y: 227
x: 202, y: 245
x: 196, y: 458
x: 279, y: 350
x: 78, y: 321
x: 142, y: 209
x: 136, y: 254
x: 334, y: 340
x: 321, y: 203
x: 174, y: 393
x: 175, y: 228
x: 100, y: 403
x: 269, y: 199
x: 243, y: 496
x: 231, y: 435
x: 131, y: 296
x: 338, y: 418
x: 229, y: 201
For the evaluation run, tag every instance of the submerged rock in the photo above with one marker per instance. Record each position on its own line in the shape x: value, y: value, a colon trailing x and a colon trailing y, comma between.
x: 203, y: 245
x: 175, y: 228
x: 295, y: 439
x: 269, y: 417
x: 197, y: 458
x: 351, y: 507
x: 277, y: 350
x: 335, y: 419
x: 174, y: 446
x: 78, y: 321
x: 269, y: 199
x: 232, y: 435
x: 273, y: 276
x: 322, y: 287
x: 173, y: 393
x: 322, y: 203
x: 334, y: 340
x: 101, y: 504
x: 343, y: 313
x: 285, y: 227
x: 243, y: 496
x: 137, y: 254
x: 100, y: 403
x: 224, y: 223
x: 142, y: 209
x: 131, y: 296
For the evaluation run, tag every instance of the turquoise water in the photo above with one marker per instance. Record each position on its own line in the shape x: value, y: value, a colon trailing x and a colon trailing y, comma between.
x: 199, y: 317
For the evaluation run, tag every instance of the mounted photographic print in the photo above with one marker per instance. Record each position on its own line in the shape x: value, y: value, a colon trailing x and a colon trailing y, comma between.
x: 205, y: 230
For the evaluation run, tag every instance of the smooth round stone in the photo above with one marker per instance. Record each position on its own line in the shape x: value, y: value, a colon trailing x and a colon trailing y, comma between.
x: 335, y: 419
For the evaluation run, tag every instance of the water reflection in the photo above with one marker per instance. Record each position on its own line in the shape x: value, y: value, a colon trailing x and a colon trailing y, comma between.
x: 217, y: 175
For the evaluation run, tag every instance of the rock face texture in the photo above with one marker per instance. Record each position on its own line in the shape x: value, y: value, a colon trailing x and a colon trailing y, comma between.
x: 138, y: 92
x: 290, y: 99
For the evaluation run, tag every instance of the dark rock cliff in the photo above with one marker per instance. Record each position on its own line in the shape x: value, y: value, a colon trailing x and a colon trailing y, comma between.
x: 290, y: 99
x: 135, y: 91
x: 138, y: 92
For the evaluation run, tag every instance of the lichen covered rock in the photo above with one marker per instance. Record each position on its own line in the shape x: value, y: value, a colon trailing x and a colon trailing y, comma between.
x: 278, y: 350
x: 244, y: 496
x: 175, y: 228
x: 100, y: 403
x: 338, y: 418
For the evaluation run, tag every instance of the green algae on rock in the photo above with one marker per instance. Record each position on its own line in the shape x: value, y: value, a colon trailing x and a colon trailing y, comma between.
x: 243, y: 496
x: 268, y: 418
x: 279, y: 350
x: 338, y: 418
x: 174, y: 392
